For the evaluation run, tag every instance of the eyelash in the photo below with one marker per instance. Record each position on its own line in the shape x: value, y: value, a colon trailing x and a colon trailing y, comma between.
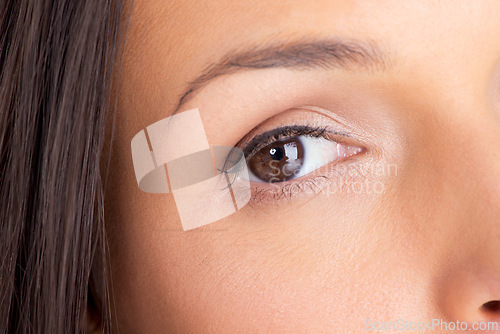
x: 288, y: 190
x: 260, y: 141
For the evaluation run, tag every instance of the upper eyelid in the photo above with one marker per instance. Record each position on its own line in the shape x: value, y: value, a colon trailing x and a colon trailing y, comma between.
x: 285, y: 132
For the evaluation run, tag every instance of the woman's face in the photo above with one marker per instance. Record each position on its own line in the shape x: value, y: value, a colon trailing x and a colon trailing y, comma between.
x: 406, y: 226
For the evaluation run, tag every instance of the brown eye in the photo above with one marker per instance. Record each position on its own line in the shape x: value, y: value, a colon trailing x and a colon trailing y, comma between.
x: 279, y: 161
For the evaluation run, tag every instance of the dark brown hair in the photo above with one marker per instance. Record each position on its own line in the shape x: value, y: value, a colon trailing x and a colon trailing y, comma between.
x: 56, y: 62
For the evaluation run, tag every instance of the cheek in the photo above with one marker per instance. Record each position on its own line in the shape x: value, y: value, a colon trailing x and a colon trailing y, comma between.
x: 287, y: 272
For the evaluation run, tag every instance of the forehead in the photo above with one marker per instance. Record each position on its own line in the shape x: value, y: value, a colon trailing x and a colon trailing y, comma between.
x: 169, y: 43
x: 195, y: 27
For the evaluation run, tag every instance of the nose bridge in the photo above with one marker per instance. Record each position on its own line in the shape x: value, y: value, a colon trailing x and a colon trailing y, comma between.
x: 479, y: 176
x: 469, y: 277
x: 469, y: 163
x: 471, y: 177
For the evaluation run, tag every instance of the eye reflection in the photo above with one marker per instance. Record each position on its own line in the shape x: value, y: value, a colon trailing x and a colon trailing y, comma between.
x: 279, y: 161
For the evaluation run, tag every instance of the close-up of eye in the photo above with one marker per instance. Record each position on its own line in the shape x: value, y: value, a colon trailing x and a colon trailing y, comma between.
x: 289, y: 153
x: 222, y: 166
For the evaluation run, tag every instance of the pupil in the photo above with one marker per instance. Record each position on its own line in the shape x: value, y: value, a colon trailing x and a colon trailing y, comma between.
x: 277, y: 153
x: 279, y: 161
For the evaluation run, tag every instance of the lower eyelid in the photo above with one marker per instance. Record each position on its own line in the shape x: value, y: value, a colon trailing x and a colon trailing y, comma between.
x: 276, y: 192
x: 303, y: 188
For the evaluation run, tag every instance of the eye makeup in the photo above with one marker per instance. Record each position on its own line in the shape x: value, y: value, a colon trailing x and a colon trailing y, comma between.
x: 316, y: 148
x: 256, y: 143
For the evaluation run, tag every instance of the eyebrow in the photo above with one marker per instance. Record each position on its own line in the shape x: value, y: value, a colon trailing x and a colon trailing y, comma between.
x: 301, y: 55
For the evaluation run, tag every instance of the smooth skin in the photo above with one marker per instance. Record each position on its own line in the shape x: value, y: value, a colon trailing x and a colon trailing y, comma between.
x: 425, y: 246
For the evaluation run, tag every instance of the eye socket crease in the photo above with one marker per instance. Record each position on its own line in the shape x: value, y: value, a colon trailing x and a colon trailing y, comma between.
x: 299, y: 55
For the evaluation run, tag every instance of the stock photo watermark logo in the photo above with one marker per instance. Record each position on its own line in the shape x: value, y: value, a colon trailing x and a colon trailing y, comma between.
x: 208, y: 183
x: 350, y: 178
x: 362, y: 178
x: 409, y: 326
